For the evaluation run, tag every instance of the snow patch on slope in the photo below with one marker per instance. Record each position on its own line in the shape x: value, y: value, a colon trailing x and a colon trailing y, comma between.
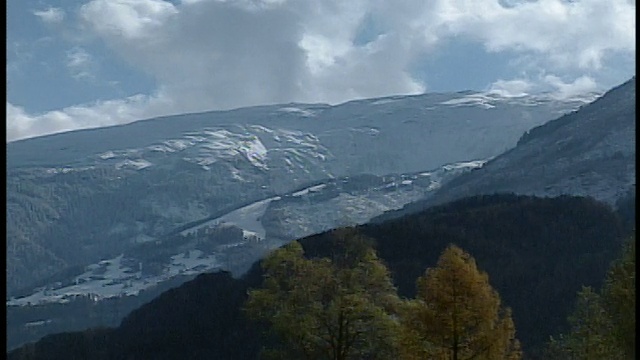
x: 255, y: 151
x: 118, y: 277
x: 309, y: 189
x: 475, y: 164
x: 137, y: 164
x: 479, y: 99
x: 246, y: 218
x: 296, y: 110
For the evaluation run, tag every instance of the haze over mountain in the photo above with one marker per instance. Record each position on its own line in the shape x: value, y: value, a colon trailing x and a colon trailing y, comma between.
x: 80, y: 197
x: 145, y: 218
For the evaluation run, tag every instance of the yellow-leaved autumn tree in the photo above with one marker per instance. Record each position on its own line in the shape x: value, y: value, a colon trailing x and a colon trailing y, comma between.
x: 457, y: 314
x: 334, y: 308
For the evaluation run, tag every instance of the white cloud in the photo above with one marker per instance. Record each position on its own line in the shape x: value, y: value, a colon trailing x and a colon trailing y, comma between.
x: 511, y: 88
x: 51, y: 15
x: 235, y: 53
x: 551, y: 84
x: 21, y: 125
x: 565, y: 90
x: 218, y: 54
x: 570, y: 34
x: 131, y: 20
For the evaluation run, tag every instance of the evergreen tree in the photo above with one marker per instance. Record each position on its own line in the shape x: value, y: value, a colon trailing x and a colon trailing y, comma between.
x: 591, y: 327
x: 603, y: 326
x: 457, y: 314
x: 619, y: 299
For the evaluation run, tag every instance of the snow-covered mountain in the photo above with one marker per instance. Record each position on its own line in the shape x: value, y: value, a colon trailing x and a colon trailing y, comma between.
x: 77, y: 198
x: 234, y: 241
x: 251, y: 229
x: 589, y: 152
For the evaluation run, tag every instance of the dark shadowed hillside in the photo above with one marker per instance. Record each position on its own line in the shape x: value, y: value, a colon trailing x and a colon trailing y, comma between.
x: 537, y: 253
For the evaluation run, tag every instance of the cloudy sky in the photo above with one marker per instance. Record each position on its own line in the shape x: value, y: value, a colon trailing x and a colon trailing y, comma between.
x: 85, y: 63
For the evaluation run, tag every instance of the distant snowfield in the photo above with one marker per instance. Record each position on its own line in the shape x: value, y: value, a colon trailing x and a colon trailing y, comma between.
x: 302, y: 112
x: 118, y: 277
x: 309, y: 189
x: 247, y: 218
x: 134, y: 164
x: 255, y: 151
x: 212, y: 145
x: 481, y: 100
x: 122, y: 276
x: 282, y: 146
x: 465, y: 164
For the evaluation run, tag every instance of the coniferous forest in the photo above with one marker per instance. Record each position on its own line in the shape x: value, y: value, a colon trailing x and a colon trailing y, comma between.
x: 485, y: 277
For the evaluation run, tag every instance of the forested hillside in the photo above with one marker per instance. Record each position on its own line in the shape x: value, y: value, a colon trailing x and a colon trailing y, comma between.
x: 536, y: 252
x: 588, y: 152
x: 83, y: 196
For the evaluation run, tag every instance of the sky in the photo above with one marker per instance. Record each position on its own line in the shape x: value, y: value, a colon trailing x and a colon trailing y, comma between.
x: 74, y: 64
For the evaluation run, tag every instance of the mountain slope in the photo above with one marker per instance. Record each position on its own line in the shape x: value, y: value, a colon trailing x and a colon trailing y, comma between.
x: 81, y: 197
x: 233, y: 241
x: 537, y: 253
x: 589, y: 152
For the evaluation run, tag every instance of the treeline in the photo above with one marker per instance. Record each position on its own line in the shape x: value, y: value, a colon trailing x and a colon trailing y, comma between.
x: 346, y: 307
x: 538, y: 253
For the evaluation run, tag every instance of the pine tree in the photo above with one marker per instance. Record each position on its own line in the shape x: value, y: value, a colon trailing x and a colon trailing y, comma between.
x: 457, y: 314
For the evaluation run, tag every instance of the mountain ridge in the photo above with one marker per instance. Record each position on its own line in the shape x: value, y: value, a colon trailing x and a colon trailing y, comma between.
x: 86, y: 195
x: 302, y: 181
x: 588, y: 152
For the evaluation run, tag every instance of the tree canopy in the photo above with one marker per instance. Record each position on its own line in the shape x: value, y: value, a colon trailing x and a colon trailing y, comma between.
x: 345, y: 307
x: 327, y: 308
x: 458, y: 314
x: 603, y: 324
